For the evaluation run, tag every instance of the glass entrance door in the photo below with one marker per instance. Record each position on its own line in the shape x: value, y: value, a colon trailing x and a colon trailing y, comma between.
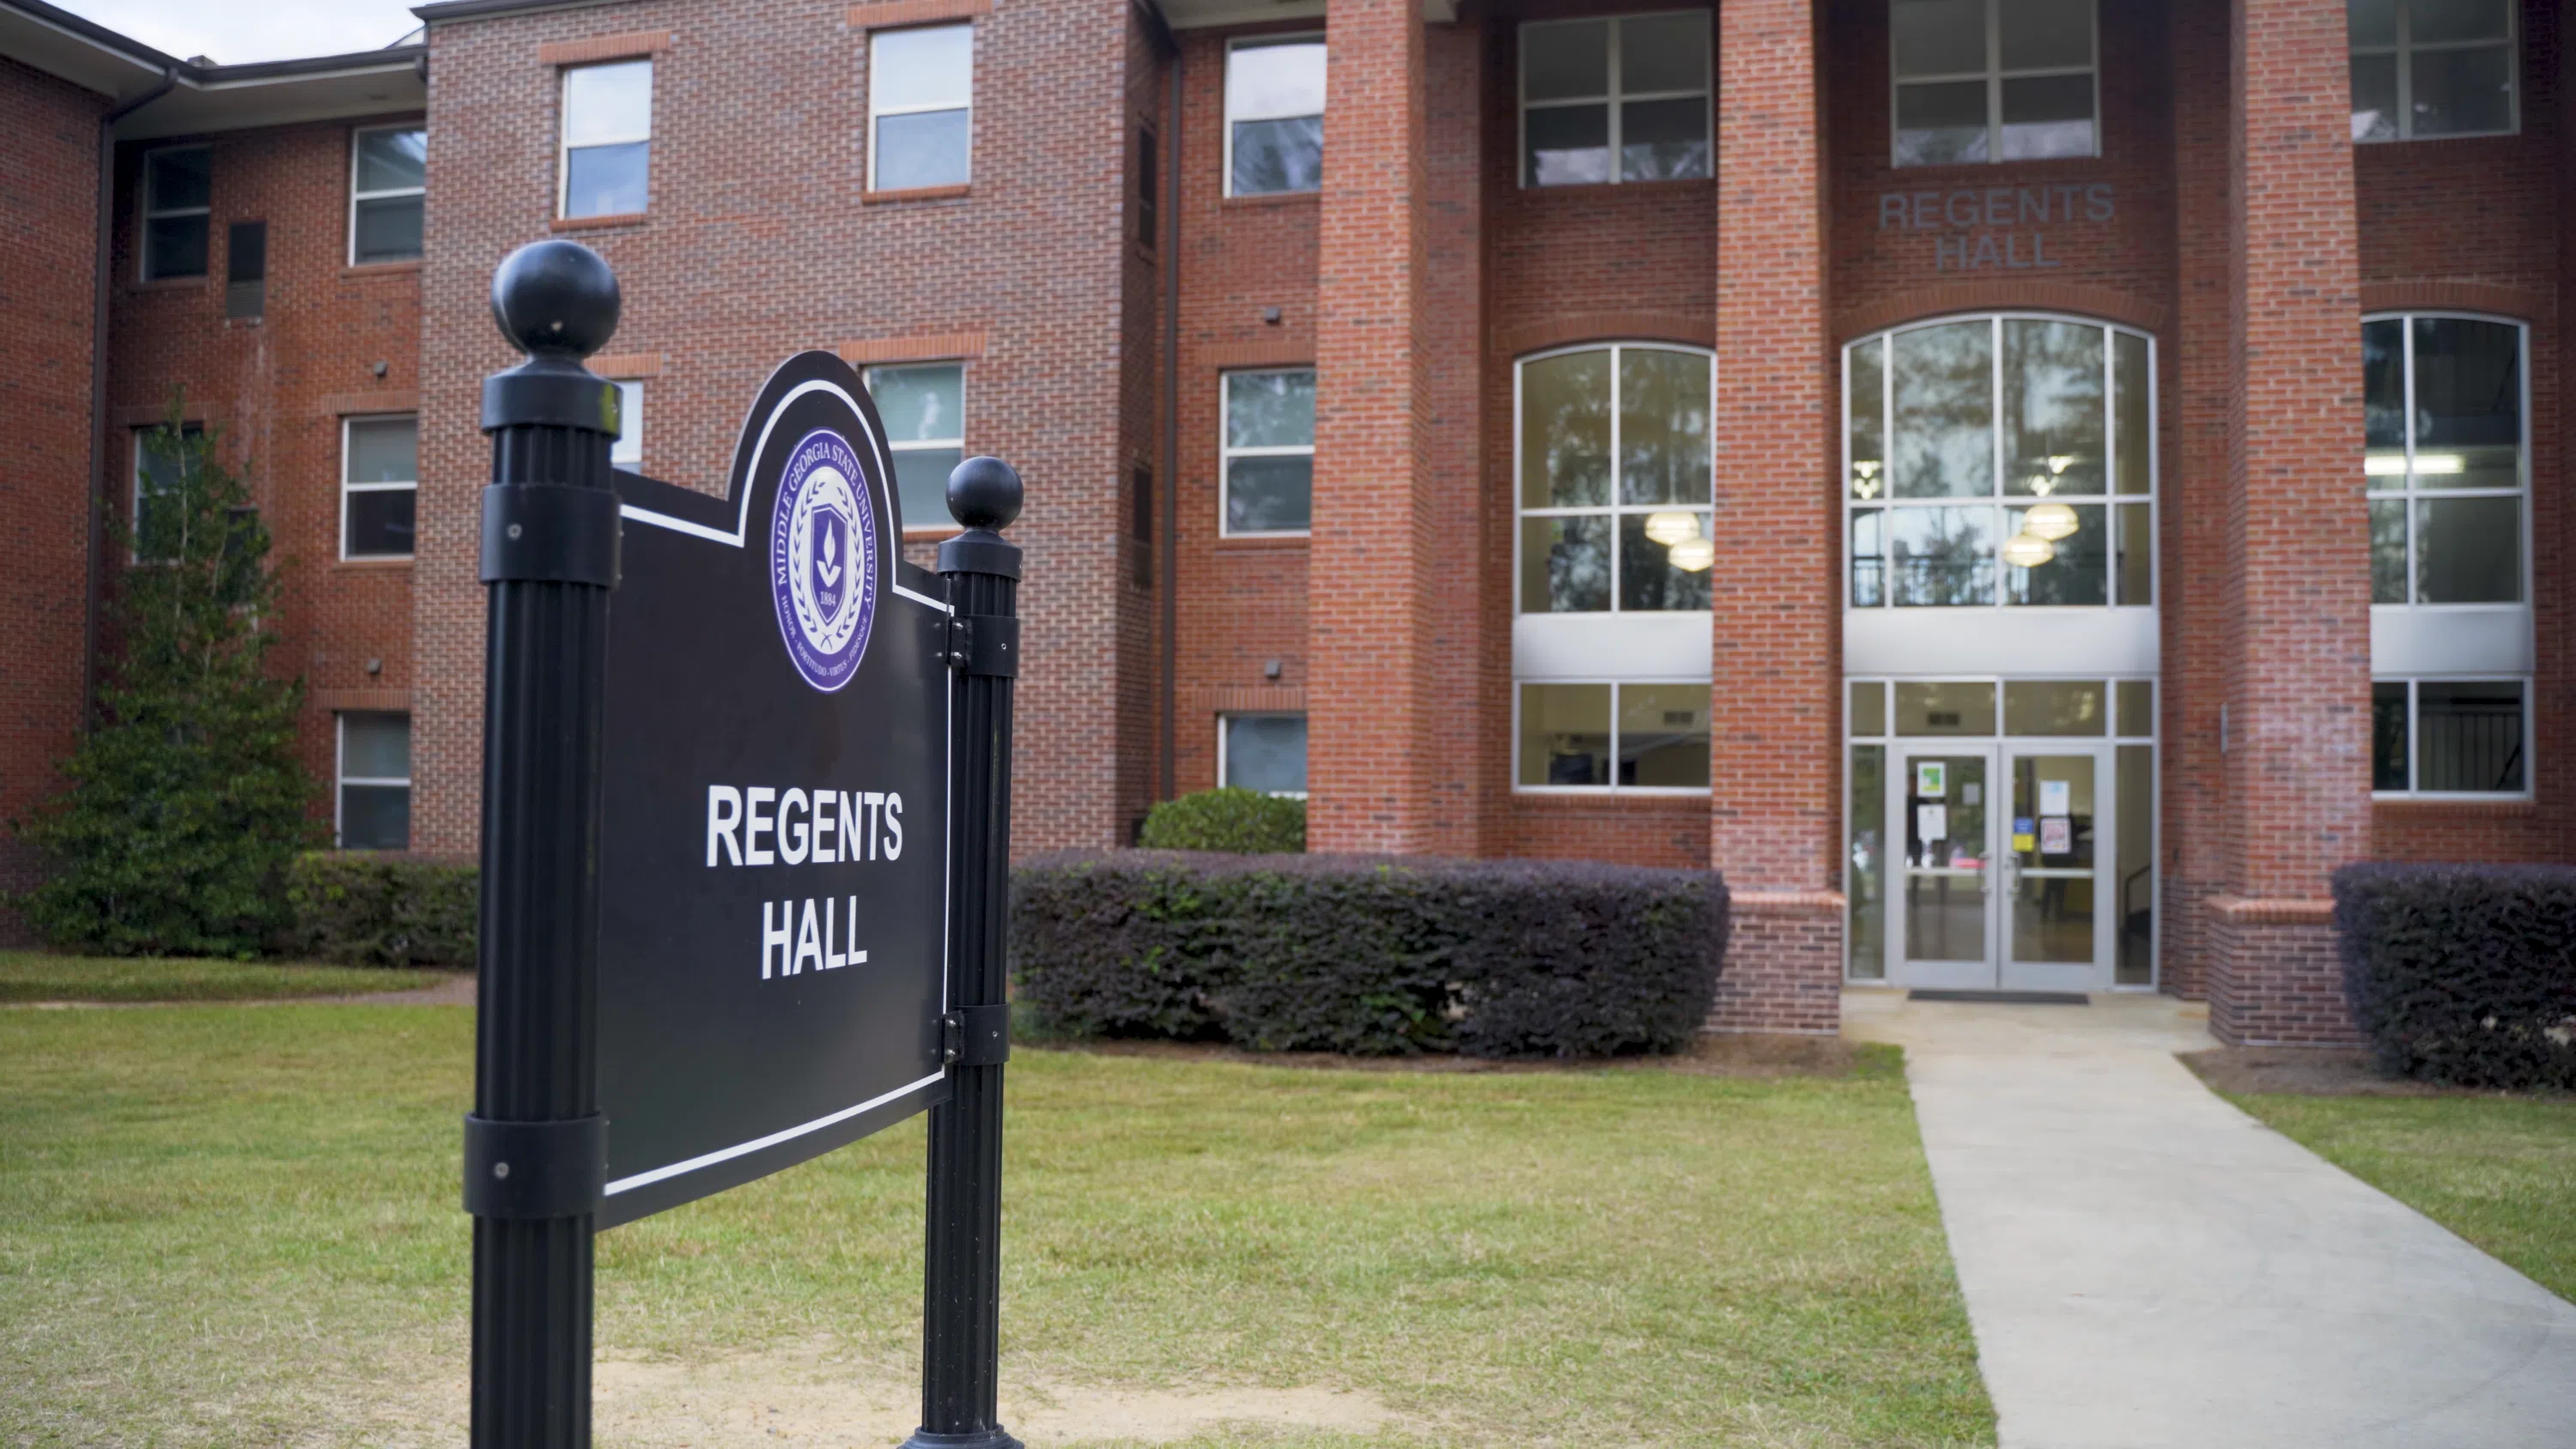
x: 1944, y: 896
x: 2056, y: 928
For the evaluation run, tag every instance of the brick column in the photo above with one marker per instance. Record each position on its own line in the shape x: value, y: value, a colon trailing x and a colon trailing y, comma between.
x: 1377, y: 554
x: 1776, y: 666
x: 2297, y: 601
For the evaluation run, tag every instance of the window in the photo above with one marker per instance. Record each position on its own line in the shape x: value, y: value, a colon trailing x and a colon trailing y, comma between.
x: 1615, y: 736
x: 921, y: 98
x: 2001, y: 460
x: 2444, y: 459
x: 178, y: 197
x: 1264, y: 752
x: 1616, y: 476
x: 2449, y: 736
x: 1615, y: 100
x: 924, y: 410
x: 158, y: 465
x: 2424, y: 68
x: 388, y: 183
x: 1140, y: 526
x: 628, y: 451
x: 245, y: 269
x: 607, y: 138
x: 1274, y: 115
x: 379, y: 486
x: 1149, y: 188
x: 1992, y: 80
x: 1269, y: 452
x: 374, y: 807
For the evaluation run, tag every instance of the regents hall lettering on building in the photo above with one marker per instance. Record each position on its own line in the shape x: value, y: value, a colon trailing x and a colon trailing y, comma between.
x: 2026, y: 488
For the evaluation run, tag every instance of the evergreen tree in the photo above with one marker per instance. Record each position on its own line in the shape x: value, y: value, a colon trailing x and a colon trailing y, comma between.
x: 186, y: 802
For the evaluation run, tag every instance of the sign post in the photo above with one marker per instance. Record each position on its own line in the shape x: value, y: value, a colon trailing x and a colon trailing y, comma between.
x: 745, y: 845
x: 962, y: 1278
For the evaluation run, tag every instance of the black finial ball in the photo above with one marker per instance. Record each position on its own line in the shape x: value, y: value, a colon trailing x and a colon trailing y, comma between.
x: 555, y: 298
x: 984, y: 493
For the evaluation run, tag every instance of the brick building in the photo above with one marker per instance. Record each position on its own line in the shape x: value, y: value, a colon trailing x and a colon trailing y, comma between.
x: 2024, y: 487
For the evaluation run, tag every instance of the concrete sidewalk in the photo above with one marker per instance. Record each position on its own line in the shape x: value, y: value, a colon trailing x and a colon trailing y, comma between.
x: 2145, y: 1265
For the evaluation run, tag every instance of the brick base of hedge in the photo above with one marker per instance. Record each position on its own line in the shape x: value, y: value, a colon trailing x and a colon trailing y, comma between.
x: 2276, y: 975
x: 1784, y: 965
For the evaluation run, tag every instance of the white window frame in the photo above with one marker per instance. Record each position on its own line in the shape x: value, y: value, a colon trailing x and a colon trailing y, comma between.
x: 628, y: 450
x: 2109, y: 501
x: 1227, y: 717
x: 348, y: 487
x: 1994, y: 75
x: 1226, y: 453
x: 2405, y: 50
x: 2410, y: 494
x: 1615, y: 99
x: 150, y: 214
x: 924, y: 445
x: 1614, y: 510
x: 2415, y: 737
x: 341, y: 780
x: 390, y: 193
x: 876, y: 112
x: 1616, y: 683
x: 1225, y: 111
x: 563, y: 132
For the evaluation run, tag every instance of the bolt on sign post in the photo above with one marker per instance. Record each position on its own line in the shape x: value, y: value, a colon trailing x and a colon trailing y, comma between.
x: 745, y: 845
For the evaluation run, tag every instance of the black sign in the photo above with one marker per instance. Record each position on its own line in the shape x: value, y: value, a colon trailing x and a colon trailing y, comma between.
x: 774, y: 860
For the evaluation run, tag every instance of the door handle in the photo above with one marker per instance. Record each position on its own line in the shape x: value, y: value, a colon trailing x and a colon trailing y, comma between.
x: 2012, y: 876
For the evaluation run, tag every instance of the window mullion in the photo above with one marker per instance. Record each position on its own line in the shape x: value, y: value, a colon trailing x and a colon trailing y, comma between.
x: 1995, y: 425
x: 1612, y: 513
x: 2405, y: 52
x: 2406, y: 489
x: 1618, y: 165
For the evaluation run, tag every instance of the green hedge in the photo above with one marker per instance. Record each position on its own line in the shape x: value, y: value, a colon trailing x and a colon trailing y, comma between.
x: 370, y: 908
x: 2462, y: 973
x: 1243, y: 822
x: 1369, y: 955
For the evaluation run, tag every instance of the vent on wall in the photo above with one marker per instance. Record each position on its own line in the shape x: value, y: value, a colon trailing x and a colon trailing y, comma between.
x: 246, y: 269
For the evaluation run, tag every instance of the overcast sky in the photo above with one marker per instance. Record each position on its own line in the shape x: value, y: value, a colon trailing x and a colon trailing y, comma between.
x: 233, y: 31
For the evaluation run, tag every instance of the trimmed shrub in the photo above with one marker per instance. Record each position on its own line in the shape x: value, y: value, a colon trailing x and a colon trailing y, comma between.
x: 380, y: 908
x: 2462, y: 973
x: 1369, y: 955
x: 1244, y: 822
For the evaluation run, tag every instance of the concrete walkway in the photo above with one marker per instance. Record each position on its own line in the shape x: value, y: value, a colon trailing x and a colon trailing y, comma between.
x: 2145, y: 1265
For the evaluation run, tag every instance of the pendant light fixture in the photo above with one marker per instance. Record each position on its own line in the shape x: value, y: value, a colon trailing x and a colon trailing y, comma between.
x: 1672, y: 527
x: 2028, y: 550
x: 2051, y: 521
x: 1693, y: 555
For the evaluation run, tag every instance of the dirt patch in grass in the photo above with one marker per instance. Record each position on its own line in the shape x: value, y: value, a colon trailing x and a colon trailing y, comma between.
x: 2315, y: 1072
x: 1750, y: 1055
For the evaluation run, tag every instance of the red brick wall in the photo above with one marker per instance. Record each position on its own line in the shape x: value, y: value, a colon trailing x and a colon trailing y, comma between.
x: 48, y: 266
x: 1242, y: 601
x: 1776, y: 756
x: 1369, y: 697
x: 275, y: 388
x: 1784, y: 965
x: 2275, y: 979
x: 757, y: 244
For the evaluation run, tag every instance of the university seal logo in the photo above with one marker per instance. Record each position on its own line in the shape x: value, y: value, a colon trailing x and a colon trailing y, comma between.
x: 823, y: 559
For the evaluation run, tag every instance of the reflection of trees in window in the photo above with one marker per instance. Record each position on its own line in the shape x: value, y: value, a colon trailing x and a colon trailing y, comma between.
x: 1616, y: 478
x: 2443, y: 459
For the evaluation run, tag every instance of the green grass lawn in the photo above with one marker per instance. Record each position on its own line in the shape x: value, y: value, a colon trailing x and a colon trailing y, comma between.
x: 2499, y: 1171
x: 42, y: 976
x: 227, y: 1226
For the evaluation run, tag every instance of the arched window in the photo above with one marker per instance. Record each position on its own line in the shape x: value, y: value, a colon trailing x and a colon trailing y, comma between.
x: 2000, y: 461
x: 2446, y: 463
x: 1613, y: 483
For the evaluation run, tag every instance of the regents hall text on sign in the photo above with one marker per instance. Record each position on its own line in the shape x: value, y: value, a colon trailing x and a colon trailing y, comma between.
x: 825, y: 827
x: 1996, y: 227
